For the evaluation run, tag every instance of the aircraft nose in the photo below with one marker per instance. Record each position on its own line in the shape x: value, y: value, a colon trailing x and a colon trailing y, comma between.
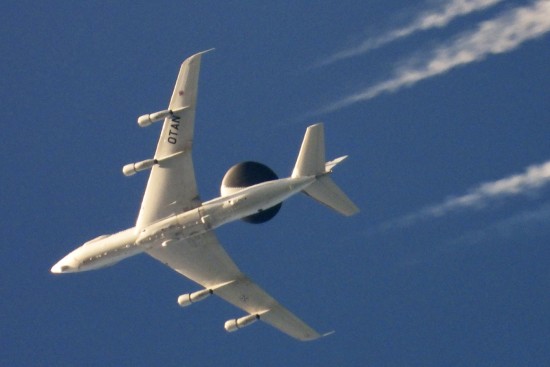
x: 57, y: 269
x: 65, y: 265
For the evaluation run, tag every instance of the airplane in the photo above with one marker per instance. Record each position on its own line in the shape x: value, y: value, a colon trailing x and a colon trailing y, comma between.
x: 175, y: 227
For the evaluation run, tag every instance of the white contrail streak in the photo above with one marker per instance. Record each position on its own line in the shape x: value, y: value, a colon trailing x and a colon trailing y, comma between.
x: 495, y: 36
x: 526, y: 223
x: 438, y: 18
x: 534, y: 177
x: 534, y: 221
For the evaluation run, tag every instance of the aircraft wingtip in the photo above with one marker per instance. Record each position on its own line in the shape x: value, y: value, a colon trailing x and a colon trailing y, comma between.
x: 328, y: 334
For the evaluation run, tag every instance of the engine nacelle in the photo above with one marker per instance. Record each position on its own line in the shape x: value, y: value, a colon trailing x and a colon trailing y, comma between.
x: 133, y: 168
x: 247, y: 174
x: 187, y: 299
x: 236, y: 324
x: 146, y: 120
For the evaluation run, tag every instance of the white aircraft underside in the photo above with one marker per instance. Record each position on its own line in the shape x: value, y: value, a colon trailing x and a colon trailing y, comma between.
x: 176, y: 228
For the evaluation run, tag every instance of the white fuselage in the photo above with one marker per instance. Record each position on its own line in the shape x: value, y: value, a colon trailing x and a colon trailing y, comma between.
x: 108, y: 250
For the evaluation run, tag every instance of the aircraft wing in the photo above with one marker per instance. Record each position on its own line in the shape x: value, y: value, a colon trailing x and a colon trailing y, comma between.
x: 203, y: 260
x: 172, y: 187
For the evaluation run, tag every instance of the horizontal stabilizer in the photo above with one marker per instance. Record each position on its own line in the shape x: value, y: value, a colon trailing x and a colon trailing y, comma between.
x: 325, y: 191
x: 330, y: 165
x: 311, y: 162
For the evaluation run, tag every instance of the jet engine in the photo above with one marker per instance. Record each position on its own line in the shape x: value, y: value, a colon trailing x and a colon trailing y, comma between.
x: 187, y: 299
x: 236, y: 324
x: 247, y: 174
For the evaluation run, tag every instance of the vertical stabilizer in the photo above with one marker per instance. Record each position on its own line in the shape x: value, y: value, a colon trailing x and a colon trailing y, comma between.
x: 311, y: 162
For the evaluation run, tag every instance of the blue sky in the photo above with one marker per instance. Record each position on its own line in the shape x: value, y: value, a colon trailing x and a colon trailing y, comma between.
x: 441, y: 105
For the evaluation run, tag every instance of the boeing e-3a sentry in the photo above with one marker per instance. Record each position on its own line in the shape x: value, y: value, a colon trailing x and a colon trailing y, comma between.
x: 175, y: 227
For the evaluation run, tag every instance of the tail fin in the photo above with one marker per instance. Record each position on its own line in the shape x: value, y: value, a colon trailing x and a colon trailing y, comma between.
x: 311, y: 162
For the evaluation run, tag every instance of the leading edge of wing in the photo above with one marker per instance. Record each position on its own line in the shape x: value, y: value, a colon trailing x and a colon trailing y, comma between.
x: 172, y: 187
x: 248, y: 296
x: 203, y: 260
x: 178, y: 129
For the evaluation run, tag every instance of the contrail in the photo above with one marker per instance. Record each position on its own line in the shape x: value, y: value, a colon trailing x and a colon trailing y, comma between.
x: 534, y: 221
x: 534, y: 177
x: 496, y: 36
x: 526, y: 223
x: 430, y: 19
